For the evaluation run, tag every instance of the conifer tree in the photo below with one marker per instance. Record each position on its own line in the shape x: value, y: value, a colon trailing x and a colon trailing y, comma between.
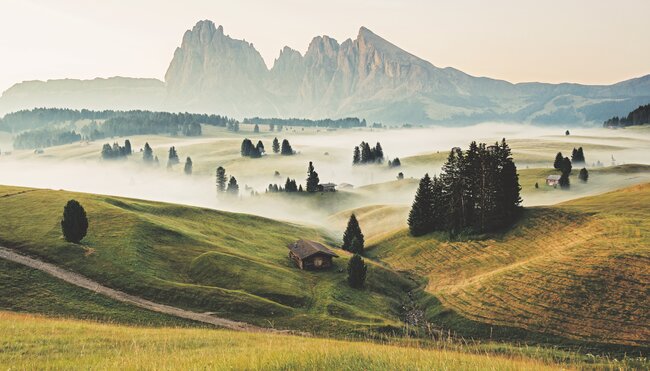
x: 356, y: 156
x: 366, y: 153
x: 221, y: 179
x: 583, y: 175
x: 564, y: 181
x: 74, y: 223
x: 233, y: 187
x: 260, y: 147
x: 188, y: 166
x: 312, y: 178
x: 107, y: 152
x: 256, y: 129
x: 378, y: 155
x: 353, y: 232
x: 147, y: 155
x: 421, y: 218
x: 286, y: 149
x: 276, y: 145
x: 127, y: 147
x: 566, y: 166
x: 173, y: 157
x: 558, y: 161
x: 400, y: 175
x: 357, y: 271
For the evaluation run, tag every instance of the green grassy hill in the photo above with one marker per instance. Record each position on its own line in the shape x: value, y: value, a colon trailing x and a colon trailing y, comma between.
x: 578, y: 270
x: 232, y: 265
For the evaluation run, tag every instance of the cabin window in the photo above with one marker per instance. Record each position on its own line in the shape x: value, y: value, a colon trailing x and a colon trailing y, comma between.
x: 318, y: 262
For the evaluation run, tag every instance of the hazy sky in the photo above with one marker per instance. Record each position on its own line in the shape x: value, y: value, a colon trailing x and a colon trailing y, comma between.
x: 582, y: 41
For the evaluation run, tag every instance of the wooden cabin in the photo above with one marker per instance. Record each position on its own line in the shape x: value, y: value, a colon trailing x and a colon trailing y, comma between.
x: 327, y: 187
x: 310, y: 255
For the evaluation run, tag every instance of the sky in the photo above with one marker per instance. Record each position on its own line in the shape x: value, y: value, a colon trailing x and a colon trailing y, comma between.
x: 590, y: 42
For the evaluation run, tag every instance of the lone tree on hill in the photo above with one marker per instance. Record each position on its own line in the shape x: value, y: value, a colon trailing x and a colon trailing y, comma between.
x: 583, y: 175
x: 74, y: 223
x: 558, y: 161
x: 421, y: 217
x: 357, y: 271
x: 221, y: 179
x: 233, y: 187
x: 188, y: 166
x: 276, y: 145
x: 353, y: 239
x: 286, y: 148
x: 312, y: 178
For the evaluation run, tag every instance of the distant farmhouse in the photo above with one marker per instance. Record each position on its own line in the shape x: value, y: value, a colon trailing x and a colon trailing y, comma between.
x: 327, y: 187
x: 552, y: 180
x: 311, y: 255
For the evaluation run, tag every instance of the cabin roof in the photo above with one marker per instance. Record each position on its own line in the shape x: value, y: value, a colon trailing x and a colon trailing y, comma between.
x: 306, y: 248
x: 553, y: 177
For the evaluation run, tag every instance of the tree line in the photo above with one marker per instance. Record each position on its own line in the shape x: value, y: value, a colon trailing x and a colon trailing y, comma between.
x: 348, y: 122
x: 42, y: 138
x: 477, y: 191
x: 116, y: 151
x: 639, y: 116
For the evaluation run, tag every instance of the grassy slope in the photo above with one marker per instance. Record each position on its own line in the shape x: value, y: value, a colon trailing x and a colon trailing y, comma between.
x: 201, y: 260
x: 34, y: 343
x: 576, y: 270
x: 28, y: 290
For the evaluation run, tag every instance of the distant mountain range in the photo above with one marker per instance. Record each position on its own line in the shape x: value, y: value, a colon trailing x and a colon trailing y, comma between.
x: 367, y: 77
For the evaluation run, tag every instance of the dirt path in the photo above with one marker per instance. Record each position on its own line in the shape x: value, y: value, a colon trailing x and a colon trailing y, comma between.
x: 81, y: 281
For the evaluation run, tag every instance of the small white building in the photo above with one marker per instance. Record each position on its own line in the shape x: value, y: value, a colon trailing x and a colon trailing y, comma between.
x: 553, y: 180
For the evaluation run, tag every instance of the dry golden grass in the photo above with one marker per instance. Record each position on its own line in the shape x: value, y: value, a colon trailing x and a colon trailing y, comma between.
x: 578, y: 270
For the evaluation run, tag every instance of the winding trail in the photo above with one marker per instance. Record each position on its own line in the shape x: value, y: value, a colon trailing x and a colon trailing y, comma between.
x: 81, y: 281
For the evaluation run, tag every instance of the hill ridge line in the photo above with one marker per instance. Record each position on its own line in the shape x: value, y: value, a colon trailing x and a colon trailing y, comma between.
x: 86, y: 283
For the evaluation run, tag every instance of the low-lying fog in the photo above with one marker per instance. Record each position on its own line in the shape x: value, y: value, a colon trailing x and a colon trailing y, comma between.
x: 80, y: 169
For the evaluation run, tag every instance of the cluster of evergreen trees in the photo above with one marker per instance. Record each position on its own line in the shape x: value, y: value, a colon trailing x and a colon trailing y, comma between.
x: 285, y: 149
x: 639, y: 116
x: 225, y: 185
x: 353, y: 241
x: 364, y: 154
x: 172, y: 158
x: 289, y: 186
x: 395, y: 162
x: 250, y: 150
x: 116, y: 151
x: 477, y: 191
x: 42, y: 138
x: 233, y: 126
x: 578, y: 156
x: 564, y: 165
x: 349, y: 122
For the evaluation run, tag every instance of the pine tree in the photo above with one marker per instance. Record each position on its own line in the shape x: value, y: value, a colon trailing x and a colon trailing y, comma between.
x: 421, y: 218
x: 173, y: 157
x: 127, y: 147
x: 357, y: 271
x: 188, y: 166
x: 356, y: 156
x: 233, y: 187
x: 564, y: 181
x: 558, y: 161
x: 286, y: 149
x: 221, y: 179
x: 400, y: 176
x: 260, y: 147
x: 378, y: 153
x: 256, y: 129
x: 147, y: 155
x: 566, y: 166
x: 353, y: 232
x: 583, y: 175
x: 74, y: 223
x: 366, y: 153
x: 312, y: 178
x: 456, y: 189
x: 395, y: 163
x: 246, y: 147
x: 107, y: 152
x: 276, y: 145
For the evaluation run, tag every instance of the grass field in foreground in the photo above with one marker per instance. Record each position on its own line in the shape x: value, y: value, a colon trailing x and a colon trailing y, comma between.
x: 232, y: 265
x: 32, y: 342
x: 577, y: 270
